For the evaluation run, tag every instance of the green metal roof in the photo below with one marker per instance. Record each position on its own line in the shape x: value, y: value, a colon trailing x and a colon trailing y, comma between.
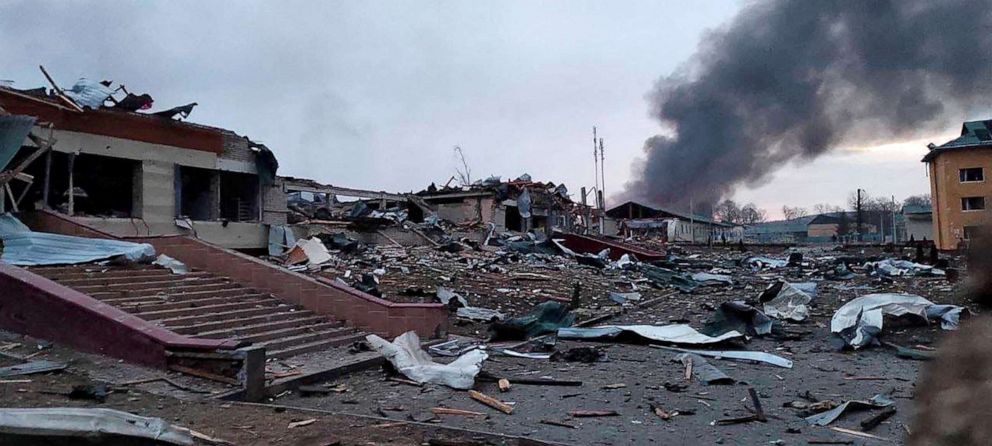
x: 974, y: 134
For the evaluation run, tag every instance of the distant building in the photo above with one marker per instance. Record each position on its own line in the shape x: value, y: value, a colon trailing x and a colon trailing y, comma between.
x: 918, y: 222
x: 781, y: 231
x: 672, y: 226
x: 958, y: 185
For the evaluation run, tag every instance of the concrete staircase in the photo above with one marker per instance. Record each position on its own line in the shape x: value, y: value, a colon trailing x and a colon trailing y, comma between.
x: 204, y: 305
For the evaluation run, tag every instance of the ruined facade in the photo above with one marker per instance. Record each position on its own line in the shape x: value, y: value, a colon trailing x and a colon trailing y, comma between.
x: 137, y: 174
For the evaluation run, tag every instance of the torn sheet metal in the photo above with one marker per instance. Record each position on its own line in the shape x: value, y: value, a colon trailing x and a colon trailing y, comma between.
x: 92, y: 424
x: 705, y: 372
x: 405, y: 354
x: 311, y: 250
x: 281, y: 238
x: 745, y: 355
x: 546, y: 317
x: 173, y: 265
x: 480, y: 314
x: 464, y: 310
x: 761, y: 262
x: 858, y: 321
x: 665, y: 277
x: 23, y: 247
x: 89, y: 93
x: 896, y: 268
x: 674, y: 334
x: 30, y: 368
x: 13, y: 130
x: 825, y: 418
x: 710, y: 279
x: 783, y: 300
x: 624, y: 298
x: 524, y: 204
x: 736, y: 316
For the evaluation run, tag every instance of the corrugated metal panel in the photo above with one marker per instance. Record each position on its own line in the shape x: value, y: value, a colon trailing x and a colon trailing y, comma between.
x: 23, y: 247
x: 13, y: 130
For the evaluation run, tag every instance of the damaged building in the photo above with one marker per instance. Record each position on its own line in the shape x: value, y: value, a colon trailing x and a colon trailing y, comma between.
x: 636, y: 219
x: 518, y: 205
x: 137, y: 174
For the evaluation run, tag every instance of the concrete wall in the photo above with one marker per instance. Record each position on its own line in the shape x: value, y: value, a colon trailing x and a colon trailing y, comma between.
x: 155, y: 191
x: 919, y: 228
x: 946, y: 190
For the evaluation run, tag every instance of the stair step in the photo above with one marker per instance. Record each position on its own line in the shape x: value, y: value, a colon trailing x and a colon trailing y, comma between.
x: 316, y: 346
x: 45, y: 270
x: 231, y: 293
x: 126, y: 293
x: 266, y: 327
x: 113, y: 273
x: 196, y: 329
x: 291, y: 331
x: 132, y: 279
x: 219, y: 316
x: 206, y: 311
x: 144, y: 305
x: 305, y: 338
x: 171, y: 283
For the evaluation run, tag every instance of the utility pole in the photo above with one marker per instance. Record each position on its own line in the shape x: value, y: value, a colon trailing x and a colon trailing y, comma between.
x: 595, y: 159
x: 858, y: 209
x: 894, y: 219
x: 602, y: 171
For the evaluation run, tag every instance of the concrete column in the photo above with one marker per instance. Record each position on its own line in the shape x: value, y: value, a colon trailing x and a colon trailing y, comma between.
x: 214, y: 196
x: 252, y: 373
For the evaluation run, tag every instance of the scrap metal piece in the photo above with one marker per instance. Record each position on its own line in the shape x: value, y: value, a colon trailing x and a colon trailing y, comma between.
x: 674, y: 334
x: 858, y: 321
x: 705, y: 372
x: 825, y: 418
x: 767, y: 358
x: 89, y: 423
x: 32, y: 367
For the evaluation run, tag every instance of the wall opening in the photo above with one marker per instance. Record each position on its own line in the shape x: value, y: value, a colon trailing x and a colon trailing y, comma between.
x: 238, y: 196
x: 194, y: 193
x: 104, y: 186
x: 513, y: 221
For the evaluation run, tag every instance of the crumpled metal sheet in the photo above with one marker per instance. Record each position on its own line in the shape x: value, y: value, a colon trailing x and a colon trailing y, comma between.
x: 13, y: 130
x: 405, y: 354
x: 746, y: 355
x: 89, y: 93
x: 895, y: 268
x: 23, y: 247
x: 710, y: 279
x: 92, y: 424
x: 674, y: 334
x: 736, y: 316
x: 789, y: 303
x: 858, y: 321
x: 827, y: 417
x: 172, y: 264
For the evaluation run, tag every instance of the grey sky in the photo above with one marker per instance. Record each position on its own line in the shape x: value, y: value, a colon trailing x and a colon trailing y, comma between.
x: 376, y: 94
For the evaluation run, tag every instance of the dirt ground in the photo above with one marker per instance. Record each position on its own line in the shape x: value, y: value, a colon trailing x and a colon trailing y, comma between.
x: 633, y: 381
x: 370, y: 408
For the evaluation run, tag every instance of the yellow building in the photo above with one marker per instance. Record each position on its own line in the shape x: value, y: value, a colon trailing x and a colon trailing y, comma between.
x: 959, y: 186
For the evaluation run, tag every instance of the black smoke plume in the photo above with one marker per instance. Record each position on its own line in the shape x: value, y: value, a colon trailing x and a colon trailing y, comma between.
x: 791, y: 80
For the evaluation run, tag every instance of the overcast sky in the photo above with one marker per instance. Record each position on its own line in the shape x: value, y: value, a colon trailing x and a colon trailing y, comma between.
x: 375, y: 94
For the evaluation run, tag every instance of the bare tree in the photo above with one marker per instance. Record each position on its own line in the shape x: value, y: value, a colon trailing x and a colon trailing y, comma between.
x: 727, y: 211
x: 826, y: 208
x: 792, y: 213
x: 751, y: 214
x: 918, y: 200
x: 464, y: 173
